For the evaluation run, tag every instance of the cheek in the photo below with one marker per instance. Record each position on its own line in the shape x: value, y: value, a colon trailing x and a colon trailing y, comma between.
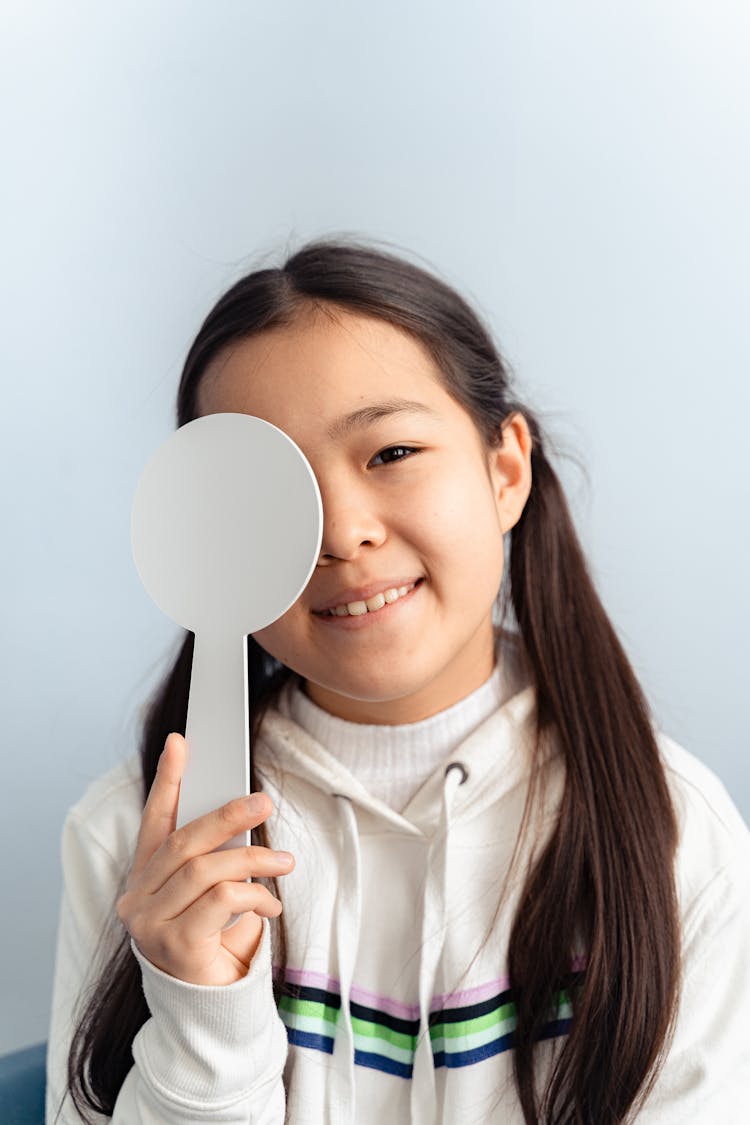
x: 281, y: 639
x: 470, y: 533
x: 456, y: 509
x: 266, y: 639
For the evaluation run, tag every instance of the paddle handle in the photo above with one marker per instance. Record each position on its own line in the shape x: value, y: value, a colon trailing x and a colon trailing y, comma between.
x: 217, y: 767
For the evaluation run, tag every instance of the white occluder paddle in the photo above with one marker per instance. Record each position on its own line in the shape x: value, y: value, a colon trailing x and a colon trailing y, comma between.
x: 226, y: 528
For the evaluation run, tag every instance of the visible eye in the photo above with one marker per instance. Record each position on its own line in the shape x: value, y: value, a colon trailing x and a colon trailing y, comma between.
x: 396, y: 449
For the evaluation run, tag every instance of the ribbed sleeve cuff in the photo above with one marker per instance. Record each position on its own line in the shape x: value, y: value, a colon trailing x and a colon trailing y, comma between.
x: 210, y: 1044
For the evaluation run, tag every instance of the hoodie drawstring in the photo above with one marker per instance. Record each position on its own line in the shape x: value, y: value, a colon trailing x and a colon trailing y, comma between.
x: 348, y: 913
x: 423, y: 1085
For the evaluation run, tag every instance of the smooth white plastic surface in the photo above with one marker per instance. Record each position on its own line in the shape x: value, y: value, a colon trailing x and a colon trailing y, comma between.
x: 226, y: 529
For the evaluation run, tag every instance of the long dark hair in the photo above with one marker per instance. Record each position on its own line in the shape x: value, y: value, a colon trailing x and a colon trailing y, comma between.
x: 607, y: 873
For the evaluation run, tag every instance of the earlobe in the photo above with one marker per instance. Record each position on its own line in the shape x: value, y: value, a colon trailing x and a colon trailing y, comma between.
x: 511, y: 470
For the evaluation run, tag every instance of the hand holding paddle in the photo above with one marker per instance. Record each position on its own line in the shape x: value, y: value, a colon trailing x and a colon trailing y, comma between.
x: 184, y: 884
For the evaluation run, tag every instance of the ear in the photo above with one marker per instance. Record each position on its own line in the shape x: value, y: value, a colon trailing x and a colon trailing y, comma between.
x: 510, y: 470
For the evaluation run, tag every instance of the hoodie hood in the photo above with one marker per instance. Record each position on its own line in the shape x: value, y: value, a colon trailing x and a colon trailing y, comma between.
x: 493, y: 758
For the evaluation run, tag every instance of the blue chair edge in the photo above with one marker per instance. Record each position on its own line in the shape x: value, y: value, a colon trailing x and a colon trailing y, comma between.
x: 23, y: 1081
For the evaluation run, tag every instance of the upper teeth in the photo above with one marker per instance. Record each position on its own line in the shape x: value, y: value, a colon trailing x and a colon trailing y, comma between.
x: 376, y: 602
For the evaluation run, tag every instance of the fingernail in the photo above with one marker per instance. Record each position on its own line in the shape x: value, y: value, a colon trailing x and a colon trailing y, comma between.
x: 256, y: 803
x: 285, y: 859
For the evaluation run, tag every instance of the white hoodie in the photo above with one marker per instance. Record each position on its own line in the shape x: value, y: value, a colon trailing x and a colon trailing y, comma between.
x: 392, y: 923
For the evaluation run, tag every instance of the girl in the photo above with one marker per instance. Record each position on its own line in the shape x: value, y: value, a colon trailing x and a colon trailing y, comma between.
x: 509, y: 897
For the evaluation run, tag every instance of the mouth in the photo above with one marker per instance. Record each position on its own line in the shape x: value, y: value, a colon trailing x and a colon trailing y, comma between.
x: 360, y: 613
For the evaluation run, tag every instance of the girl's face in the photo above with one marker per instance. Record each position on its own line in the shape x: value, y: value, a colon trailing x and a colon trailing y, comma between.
x: 410, y: 495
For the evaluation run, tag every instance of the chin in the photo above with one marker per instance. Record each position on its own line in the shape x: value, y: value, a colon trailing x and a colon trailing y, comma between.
x: 388, y: 690
x: 365, y: 693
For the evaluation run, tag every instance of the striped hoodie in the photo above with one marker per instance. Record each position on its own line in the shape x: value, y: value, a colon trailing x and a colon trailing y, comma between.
x: 396, y: 1004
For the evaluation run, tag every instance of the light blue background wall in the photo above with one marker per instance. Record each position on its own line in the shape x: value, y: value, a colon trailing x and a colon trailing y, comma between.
x: 579, y: 170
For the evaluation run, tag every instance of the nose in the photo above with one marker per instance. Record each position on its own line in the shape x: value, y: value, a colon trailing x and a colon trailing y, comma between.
x: 349, y: 523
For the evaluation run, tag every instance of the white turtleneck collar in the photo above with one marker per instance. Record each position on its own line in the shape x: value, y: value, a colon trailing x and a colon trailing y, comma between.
x: 393, y: 761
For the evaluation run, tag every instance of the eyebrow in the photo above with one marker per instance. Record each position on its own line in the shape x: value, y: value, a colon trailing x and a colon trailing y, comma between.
x: 369, y: 415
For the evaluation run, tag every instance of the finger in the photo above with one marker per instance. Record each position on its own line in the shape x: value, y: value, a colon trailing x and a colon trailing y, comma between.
x: 160, y: 811
x: 212, y: 911
x: 201, y: 836
x: 200, y: 874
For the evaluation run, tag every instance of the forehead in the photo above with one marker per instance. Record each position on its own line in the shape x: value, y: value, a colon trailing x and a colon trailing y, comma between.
x: 329, y: 362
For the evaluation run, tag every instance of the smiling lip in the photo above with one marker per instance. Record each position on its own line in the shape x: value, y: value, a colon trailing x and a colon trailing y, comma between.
x: 362, y: 593
x: 388, y: 612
